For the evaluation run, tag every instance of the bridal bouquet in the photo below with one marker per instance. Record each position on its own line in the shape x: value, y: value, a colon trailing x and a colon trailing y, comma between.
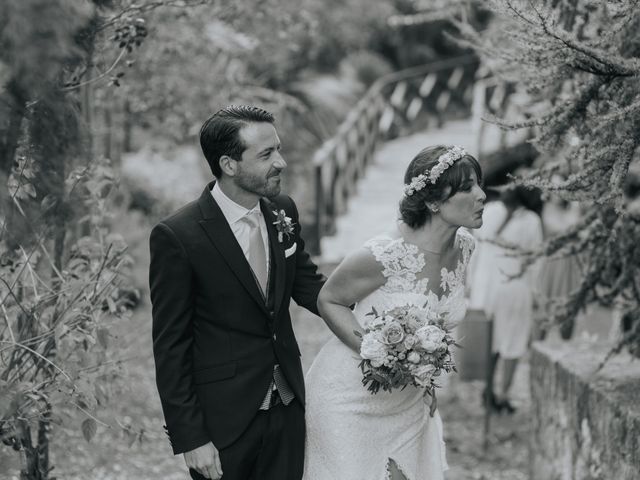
x: 403, y: 346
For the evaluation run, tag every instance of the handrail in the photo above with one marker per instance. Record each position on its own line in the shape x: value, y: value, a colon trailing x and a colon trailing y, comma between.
x: 396, y: 104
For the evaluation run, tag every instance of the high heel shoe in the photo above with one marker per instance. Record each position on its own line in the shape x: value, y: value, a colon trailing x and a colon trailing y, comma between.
x: 507, y: 406
x: 497, y: 405
x: 493, y: 402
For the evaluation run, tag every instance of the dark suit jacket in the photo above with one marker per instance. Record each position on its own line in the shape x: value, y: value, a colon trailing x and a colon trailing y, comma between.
x: 215, y: 340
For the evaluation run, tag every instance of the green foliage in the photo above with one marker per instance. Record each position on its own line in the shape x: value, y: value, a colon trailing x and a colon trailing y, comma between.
x: 343, y: 27
x: 214, y: 54
x: 60, y: 268
x: 579, y: 62
x: 203, y: 58
x: 37, y: 37
x: 367, y: 66
x: 55, y: 342
x: 418, y: 32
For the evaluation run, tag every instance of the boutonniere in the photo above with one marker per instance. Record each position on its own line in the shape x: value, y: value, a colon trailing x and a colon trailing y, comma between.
x: 283, y: 224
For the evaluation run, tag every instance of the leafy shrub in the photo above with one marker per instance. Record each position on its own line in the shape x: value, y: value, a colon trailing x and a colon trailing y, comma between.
x: 366, y: 66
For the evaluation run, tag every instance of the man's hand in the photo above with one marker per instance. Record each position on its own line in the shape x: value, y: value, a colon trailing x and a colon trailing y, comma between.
x: 205, y: 460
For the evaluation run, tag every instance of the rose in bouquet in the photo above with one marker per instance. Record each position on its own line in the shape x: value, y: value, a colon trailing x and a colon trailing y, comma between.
x: 406, y: 345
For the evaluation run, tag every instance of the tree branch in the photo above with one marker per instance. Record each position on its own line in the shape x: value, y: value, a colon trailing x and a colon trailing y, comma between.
x: 146, y: 7
x: 99, y: 77
x: 20, y: 345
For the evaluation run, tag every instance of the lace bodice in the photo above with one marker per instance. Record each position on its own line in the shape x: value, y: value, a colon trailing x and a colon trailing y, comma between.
x: 402, y: 263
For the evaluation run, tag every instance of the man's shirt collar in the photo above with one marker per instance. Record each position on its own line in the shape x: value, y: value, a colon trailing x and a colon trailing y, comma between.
x: 232, y: 211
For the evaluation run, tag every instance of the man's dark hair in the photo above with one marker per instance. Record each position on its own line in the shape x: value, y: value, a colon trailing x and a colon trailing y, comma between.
x: 219, y: 134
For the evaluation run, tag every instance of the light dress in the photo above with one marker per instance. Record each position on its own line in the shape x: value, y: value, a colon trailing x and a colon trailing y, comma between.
x: 484, y: 273
x: 560, y: 276
x: 511, y: 303
x: 351, y: 433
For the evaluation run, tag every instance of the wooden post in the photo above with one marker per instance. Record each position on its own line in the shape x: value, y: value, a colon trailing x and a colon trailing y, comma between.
x: 475, y: 360
x: 107, y: 131
x: 86, y: 106
x: 318, y: 212
x: 477, y: 112
x: 488, y: 388
x: 127, y: 126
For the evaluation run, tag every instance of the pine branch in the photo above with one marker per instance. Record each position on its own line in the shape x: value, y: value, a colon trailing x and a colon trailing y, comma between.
x: 137, y: 9
x: 620, y: 67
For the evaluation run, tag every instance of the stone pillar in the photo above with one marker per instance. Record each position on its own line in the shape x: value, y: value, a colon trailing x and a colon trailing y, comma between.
x: 586, y: 422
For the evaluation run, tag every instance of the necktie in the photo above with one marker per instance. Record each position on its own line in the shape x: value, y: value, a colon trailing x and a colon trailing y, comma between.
x: 257, y: 255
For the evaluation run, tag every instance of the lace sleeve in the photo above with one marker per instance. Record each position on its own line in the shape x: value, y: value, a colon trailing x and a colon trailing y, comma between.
x: 377, y: 246
x: 400, y: 263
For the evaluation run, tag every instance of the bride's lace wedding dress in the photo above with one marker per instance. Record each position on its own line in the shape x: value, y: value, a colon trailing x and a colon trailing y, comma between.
x: 352, y: 434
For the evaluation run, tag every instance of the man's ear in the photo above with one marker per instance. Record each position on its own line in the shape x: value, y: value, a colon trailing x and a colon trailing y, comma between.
x: 228, y: 165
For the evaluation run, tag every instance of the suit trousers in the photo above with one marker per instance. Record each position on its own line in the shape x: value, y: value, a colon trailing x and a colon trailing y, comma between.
x: 271, y: 448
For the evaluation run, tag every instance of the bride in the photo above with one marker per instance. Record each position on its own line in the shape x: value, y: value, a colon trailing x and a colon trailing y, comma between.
x: 352, y: 434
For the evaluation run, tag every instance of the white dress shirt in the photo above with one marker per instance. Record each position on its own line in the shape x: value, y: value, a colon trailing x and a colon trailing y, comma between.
x: 241, y: 229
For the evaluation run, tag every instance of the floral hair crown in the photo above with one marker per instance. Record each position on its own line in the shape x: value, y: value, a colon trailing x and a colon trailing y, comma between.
x: 444, y: 161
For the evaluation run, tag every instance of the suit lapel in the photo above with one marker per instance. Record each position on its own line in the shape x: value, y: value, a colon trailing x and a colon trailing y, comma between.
x: 219, y: 233
x: 267, y: 208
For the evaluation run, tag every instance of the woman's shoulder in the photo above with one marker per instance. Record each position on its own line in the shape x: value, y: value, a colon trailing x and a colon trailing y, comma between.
x: 387, y: 246
x: 382, y: 240
x: 363, y: 262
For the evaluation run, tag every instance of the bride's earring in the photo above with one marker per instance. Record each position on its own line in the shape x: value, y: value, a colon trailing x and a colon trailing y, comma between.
x: 433, y: 207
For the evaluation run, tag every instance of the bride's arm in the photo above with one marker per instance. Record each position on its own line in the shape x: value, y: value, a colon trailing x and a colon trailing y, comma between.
x: 357, y: 276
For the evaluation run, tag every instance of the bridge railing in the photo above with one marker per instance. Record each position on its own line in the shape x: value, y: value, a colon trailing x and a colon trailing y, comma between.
x: 397, y: 104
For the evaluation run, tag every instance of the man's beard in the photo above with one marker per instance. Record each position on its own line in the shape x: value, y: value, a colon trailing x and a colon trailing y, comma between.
x: 258, y: 185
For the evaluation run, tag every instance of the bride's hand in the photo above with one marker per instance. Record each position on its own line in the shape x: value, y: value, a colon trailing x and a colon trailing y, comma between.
x: 358, y: 275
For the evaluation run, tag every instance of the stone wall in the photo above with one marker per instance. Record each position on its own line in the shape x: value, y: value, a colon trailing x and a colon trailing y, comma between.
x: 586, y: 423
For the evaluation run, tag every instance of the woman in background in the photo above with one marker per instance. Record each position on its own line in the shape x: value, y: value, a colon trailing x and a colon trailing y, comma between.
x: 559, y: 277
x: 510, y: 222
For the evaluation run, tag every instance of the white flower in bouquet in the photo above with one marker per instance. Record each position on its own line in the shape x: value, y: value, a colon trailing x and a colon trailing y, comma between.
x: 413, y: 357
x: 375, y: 322
x: 415, y: 319
x: 431, y: 338
x: 392, y: 333
x: 409, y: 341
x: 374, y: 350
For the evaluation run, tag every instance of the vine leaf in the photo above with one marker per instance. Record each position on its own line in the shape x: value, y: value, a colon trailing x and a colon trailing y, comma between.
x: 103, y: 337
x: 89, y: 428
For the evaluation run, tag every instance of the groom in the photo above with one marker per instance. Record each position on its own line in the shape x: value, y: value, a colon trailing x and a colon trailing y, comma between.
x: 223, y: 270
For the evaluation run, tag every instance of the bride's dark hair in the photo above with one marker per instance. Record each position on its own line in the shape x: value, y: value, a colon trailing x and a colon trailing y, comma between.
x: 413, y: 208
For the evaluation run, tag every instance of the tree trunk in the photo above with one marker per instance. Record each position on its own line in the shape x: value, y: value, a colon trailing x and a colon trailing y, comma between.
x: 127, y: 127
x: 44, y: 426
x: 10, y: 229
x: 9, y: 140
x: 107, y: 131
